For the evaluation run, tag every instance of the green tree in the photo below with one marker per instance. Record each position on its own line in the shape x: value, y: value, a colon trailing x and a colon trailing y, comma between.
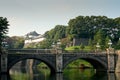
x: 96, y: 28
x: 91, y: 44
x: 106, y: 42
x: 56, y: 33
x: 64, y: 42
x: 100, y: 38
x: 85, y: 26
x: 118, y: 45
x: 45, y: 44
x: 82, y: 46
x: 3, y: 29
x: 77, y: 27
x: 15, y: 42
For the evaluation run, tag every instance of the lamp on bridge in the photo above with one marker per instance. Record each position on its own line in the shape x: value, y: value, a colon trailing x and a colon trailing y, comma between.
x: 98, y: 46
x: 110, y: 44
x: 53, y: 45
x: 110, y: 50
x: 57, y: 46
x: 59, y: 49
x: 4, y: 46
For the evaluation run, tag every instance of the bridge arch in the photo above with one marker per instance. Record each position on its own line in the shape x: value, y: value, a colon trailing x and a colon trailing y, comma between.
x: 97, y: 63
x: 13, y: 60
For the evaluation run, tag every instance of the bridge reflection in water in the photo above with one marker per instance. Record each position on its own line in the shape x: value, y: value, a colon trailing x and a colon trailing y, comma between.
x: 61, y: 76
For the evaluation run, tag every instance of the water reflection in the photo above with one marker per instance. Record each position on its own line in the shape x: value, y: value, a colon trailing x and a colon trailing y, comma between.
x: 59, y: 76
x: 67, y: 75
x: 111, y: 76
x: 86, y: 74
x: 117, y: 76
x: 4, y: 77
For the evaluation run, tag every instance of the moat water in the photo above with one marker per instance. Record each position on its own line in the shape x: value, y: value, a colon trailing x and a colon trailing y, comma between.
x: 68, y: 74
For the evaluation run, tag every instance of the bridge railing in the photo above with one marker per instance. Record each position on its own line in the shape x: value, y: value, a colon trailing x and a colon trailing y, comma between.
x: 50, y: 51
x: 83, y: 51
x: 29, y: 51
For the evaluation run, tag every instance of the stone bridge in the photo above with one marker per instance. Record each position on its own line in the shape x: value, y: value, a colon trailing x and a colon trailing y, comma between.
x: 58, y: 61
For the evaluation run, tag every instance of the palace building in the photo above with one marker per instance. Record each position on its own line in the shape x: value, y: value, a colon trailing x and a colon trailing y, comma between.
x: 33, y: 37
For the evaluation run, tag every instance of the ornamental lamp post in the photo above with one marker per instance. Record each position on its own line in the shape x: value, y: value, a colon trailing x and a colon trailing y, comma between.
x: 53, y: 45
x: 4, y: 46
x: 98, y: 46
x: 58, y: 46
x: 110, y: 44
x: 110, y: 49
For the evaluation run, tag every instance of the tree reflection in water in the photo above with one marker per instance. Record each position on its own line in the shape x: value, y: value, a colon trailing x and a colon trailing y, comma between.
x: 117, y: 76
x: 67, y: 75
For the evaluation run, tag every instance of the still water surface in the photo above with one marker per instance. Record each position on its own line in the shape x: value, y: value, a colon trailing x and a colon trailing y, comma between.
x: 68, y: 74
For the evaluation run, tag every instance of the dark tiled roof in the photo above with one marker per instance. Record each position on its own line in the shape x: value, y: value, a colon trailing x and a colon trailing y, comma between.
x: 33, y: 33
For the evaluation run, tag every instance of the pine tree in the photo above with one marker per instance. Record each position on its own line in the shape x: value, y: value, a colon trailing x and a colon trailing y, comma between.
x: 3, y: 30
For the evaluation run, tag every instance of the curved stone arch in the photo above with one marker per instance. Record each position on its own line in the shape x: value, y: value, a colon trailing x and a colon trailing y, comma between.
x: 96, y: 62
x: 47, y: 62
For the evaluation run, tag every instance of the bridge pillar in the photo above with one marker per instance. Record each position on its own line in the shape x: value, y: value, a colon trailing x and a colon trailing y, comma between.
x: 4, y: 63
x: 59, y: 63
x: 118, y: 62
x: 111, y: 60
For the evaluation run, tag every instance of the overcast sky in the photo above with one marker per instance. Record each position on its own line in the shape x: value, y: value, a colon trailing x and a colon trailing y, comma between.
x: 42, y: 15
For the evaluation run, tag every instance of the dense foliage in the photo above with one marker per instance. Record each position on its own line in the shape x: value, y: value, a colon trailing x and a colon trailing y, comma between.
x: 3, y: 29
x: 56, y: 33
x: 15, y: 42
x: 87, y: 27
x: 98, y: 29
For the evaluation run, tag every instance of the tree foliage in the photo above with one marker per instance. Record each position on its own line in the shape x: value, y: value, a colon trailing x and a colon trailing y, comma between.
x: 45, y: 44
x: 15, y: 42
x: 3, y: 29
x: 87, y: 27
x: 96, y: 29
x: 56, y: 33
